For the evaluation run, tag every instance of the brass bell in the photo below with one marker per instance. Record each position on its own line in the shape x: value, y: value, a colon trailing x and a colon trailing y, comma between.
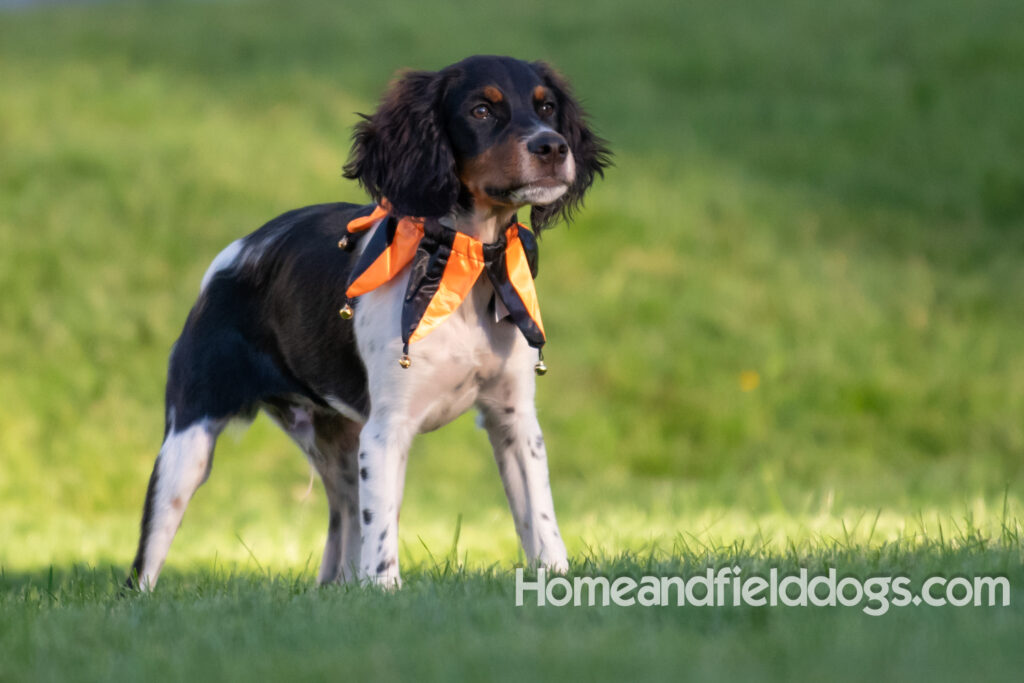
x: 540, y: 368
x: 343, y: 242
x: 346, y: 312
x: 405, y: 361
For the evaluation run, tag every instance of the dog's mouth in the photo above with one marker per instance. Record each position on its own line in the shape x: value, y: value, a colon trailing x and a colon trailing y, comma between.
x: 537, y: 192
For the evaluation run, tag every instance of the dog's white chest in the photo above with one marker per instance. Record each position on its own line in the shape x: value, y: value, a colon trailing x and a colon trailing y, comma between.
x: 467, y: 353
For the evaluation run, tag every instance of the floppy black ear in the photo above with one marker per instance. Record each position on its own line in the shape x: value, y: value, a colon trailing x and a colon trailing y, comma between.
x: 402, y: 152
x: 590, y: 152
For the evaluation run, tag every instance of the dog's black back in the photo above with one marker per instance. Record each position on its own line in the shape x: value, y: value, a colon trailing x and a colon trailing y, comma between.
x: 259, y: 329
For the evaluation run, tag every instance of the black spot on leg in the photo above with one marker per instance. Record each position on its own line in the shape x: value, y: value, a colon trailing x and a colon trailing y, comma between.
x: 367, y: 515
x: 509, y: 410
x: 364, y: 473
x: 362, y: 455
x: 539, y: 441
x: 545, y: 516
x: 334, y: 521
x: 348, y: 479
x: 384, y: 533
x: 381, y: 567
x: 509, y: 440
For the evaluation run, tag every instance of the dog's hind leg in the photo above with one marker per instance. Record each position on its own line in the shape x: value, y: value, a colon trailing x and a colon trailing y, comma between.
x: 214, y: 374
x: 330, y: 441
x: 337, y: 441
x: 181, y: 467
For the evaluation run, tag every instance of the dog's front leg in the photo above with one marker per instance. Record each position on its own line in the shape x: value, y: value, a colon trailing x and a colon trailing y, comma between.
x: 383, y: 454
x: 511, y: 422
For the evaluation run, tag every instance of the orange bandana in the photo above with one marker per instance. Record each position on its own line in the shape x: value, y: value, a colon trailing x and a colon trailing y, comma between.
x: 446, y: 265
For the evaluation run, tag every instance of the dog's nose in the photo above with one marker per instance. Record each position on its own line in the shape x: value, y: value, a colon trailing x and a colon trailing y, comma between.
x: 549, y: 147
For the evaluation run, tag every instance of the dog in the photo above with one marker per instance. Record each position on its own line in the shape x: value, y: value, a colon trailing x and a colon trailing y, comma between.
x: 448, y: 157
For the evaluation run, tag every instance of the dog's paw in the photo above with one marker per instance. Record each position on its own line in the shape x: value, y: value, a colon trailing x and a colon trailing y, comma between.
x: 557, y: 566
x: 388, y: 579
x: 555, y: 562
x: 388, y: 583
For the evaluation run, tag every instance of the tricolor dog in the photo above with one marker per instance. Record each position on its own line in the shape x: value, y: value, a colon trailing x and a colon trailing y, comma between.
x: 357, y: 327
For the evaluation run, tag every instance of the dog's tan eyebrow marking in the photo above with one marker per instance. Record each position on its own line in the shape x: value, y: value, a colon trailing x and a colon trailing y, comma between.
x: 492, y: 93
x: 540, y: 93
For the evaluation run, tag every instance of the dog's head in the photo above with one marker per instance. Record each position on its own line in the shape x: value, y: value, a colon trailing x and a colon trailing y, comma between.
x: 491, y: 133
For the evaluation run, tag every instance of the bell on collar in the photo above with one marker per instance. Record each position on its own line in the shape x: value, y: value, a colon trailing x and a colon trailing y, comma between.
x: 346, y: 311
x: 540, y: 368
x: 343, y: 242
x: 405, y: 361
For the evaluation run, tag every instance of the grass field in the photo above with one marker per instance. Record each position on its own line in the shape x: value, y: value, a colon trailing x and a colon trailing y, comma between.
x: 786, y: 331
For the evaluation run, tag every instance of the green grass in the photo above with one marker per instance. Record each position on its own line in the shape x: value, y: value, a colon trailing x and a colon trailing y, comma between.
x: 826, y: 202
x: 448, y: 622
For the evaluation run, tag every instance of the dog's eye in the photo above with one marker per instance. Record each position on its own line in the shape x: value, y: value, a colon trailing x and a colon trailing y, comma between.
x: 482, y: 111
x: 546, y: 109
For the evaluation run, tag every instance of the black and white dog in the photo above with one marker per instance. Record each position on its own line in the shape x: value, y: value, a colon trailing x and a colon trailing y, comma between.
x: 463, y: 148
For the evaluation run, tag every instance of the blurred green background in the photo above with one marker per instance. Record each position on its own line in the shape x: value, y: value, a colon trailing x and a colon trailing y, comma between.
x: 792, y: 310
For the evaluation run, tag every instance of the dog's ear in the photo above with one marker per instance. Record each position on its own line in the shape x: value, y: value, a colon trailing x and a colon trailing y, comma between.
x: 402, y: 151
x: 589, y: 151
